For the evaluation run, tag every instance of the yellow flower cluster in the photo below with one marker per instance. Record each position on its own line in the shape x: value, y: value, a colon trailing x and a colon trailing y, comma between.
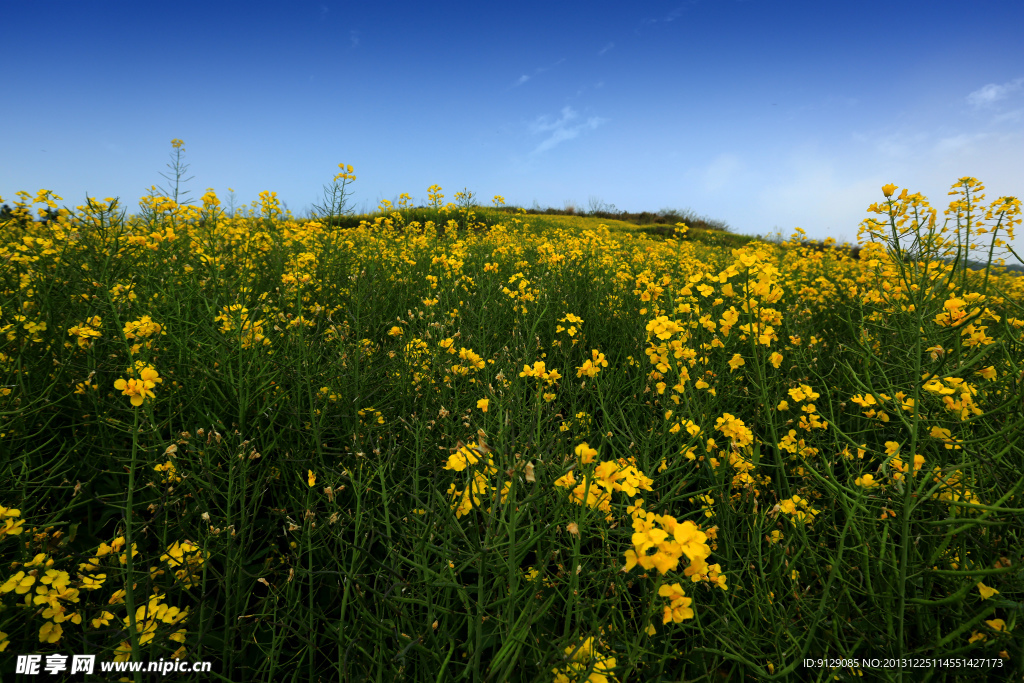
x: 957, y: 395
x: 799, y: 509
x: 669, y: 540
x: 87, y: 331
x: 168, y: 472
x: 473, y: 363
x: 237, y: 317
x: 472, y: 457
x: 9, y: 524
x: 141, y: 388
x: 549, y: 377
x: 733, y: 428
x: 56, y: 596
x: 186, y: 559
x: 599, y: 482
x: 585, y: 660
x: 591, y: 367
x: 141, y: 329
x: 953, y: 487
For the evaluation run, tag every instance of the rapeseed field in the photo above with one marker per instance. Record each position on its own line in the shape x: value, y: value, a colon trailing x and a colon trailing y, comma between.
x: 457, y: 442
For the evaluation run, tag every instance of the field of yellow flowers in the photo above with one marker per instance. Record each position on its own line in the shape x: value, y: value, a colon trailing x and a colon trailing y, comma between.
x: 483, y: 448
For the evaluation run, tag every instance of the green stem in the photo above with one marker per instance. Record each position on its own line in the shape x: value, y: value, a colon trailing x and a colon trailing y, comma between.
x: 129, y: 588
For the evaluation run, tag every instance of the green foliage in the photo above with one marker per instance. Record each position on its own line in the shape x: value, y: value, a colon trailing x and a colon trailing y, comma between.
x: 368, y: 453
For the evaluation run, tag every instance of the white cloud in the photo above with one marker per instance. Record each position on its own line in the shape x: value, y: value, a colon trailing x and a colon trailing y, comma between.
x: 960, y: 145
x: 543, y: 124
x: 605, y: 49
x: 815, y: 199
x: 899, y: 146
x: 989, y: 94
x: 721, y: 171
x: 353, y: 36
x: 560, y: 130
x: 1008, y: 116
x: 536, y: 72
x: 671, y: 16
x: 827, y: 191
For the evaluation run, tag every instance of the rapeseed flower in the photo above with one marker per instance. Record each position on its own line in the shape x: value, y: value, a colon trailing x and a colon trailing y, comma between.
x: 986, y: 592
x: 50, y: 633
x: 586, y: 657
x: 139, y: 389
x: 867, y: 481
x: 678, y: 608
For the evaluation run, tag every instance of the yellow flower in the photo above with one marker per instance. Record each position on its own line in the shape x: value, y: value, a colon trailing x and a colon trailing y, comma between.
x: 19, y: 583
x: 996, y: 624
x: 102, y: 620
x: 132, y: 388
x: 139, y: 389
x: 311, y: 478
x: 986, y: 592
x: 679, y: 607
x: 776, y: 359
x: 585, y: 453
x: 482, y: 404
x: 867, y: 481
x: 888, y: 189
x: 643, y: 540
x: 736, y: 361
x: 987, y: 373
x: 50, y: 632
x: 692, y: 540
x: 91, y: 582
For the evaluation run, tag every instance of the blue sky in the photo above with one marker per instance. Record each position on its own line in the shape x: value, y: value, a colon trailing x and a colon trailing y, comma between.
x: 764, y: 115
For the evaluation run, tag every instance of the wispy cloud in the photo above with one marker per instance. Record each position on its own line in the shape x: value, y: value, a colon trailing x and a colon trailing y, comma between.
x: 323, y: 11
x: 988, y: 95
x: 564, y: 128
x: 536, y: 72
x: 959, y: 146
x: 896, y: 146
x: 1008, y: 116
x: 670, y: 17
x: 605, y: 49
x: 721, y: 172
x: 353, y: 37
